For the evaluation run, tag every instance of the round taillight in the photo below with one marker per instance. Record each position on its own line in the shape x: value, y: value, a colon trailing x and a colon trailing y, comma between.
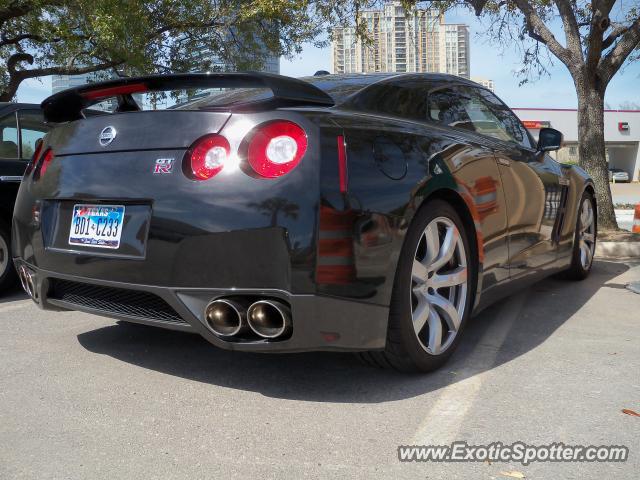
x: 45, y: 162
x: 208, y: 156
x: 276, y: 148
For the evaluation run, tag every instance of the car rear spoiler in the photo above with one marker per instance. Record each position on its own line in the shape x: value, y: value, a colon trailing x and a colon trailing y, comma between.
x: 68, y: 105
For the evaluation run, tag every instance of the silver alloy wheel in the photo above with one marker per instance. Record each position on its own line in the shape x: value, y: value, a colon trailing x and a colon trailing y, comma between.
x: 4, y: 255
x: 438, y: 285
x: 587, y: 233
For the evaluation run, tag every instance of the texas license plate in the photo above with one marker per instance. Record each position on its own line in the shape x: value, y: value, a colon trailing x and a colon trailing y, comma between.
x: 96, y: 225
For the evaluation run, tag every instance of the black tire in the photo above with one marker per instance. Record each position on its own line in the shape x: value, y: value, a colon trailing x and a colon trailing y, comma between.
x: 8, y: 276
x: 577, y: 271
x: 403, y: 350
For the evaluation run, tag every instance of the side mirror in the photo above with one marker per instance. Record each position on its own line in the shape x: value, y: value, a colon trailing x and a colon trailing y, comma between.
x: 549, y: 140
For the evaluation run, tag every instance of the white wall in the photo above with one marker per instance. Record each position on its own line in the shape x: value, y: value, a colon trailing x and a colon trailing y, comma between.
x: 627, y: 157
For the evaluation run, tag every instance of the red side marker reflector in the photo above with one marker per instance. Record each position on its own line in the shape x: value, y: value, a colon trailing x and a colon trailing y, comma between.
x: 330, y: 336
x: 115, y: 91
x: 45, y: 162
x: 342, y: 164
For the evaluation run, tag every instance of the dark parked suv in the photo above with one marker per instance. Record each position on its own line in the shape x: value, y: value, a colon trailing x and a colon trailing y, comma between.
x: 21, y: 126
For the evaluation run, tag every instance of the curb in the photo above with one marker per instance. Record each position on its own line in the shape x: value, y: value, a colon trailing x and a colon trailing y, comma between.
x: 618, y: 250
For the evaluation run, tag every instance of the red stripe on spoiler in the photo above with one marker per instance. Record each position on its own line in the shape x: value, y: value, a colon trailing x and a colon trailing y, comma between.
x: 115, y: 91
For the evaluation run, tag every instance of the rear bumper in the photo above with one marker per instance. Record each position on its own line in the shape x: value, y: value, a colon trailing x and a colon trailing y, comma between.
x: 319, y: 322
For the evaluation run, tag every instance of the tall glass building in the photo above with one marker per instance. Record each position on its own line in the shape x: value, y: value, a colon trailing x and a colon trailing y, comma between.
x: 62, y: 82
x: 420, y: 41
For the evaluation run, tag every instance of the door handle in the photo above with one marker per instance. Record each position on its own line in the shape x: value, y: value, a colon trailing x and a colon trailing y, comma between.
x: 11, y: 178
x: 504, y: 161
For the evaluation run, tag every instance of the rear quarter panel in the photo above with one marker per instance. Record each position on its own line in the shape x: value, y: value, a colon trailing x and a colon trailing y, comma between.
x: 394, y: 166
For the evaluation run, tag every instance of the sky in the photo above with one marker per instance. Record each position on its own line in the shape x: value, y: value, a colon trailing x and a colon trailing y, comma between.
x: 487, y: 61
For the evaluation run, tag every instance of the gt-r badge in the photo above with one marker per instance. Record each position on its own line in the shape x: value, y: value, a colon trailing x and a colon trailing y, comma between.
x: 107, y: 135
x: 163, y: 166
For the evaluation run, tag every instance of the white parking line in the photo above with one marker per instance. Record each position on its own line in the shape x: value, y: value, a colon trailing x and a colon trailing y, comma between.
x: 443, y: 421
x: 15, y: 306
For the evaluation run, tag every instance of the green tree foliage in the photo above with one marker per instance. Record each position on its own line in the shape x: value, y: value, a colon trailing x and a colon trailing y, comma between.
x: 47, y: 37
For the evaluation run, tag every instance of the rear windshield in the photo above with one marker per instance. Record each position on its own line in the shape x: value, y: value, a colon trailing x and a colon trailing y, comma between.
x: 342, y: 87
x: 229, y: 97
x: 338, y: 87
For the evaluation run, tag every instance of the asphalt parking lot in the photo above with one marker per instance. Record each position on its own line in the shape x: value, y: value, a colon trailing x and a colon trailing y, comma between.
x: 84, y: 397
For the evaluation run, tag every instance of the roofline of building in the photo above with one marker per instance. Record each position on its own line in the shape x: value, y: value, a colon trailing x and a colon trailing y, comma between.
x: 568, y: 110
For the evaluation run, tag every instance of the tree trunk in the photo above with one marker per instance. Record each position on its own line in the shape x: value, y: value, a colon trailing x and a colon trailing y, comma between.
x: 8, y: 93
x: 591, y: 150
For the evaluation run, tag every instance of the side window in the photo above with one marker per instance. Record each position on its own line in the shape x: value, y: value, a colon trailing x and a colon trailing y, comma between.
x: 450, y: 107
x: 398, y: 100
x: 32, y: 128
x: 485, y: 121
x: 470, y: 109
x: 8, y: 137
x: 510, y: 123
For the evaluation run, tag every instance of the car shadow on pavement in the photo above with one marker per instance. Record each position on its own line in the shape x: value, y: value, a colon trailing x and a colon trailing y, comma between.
x: 339, y: 377
x: 13, y: 294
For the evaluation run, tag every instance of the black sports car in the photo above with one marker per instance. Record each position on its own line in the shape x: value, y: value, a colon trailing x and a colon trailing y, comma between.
x: 21, y: 127
x: 373, y: 213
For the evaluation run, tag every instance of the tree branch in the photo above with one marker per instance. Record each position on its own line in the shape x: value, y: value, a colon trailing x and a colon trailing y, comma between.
x: 599, y: 24
x: 4, y: 40
x: 571, y: 28
x: 605, y: 5
x: 612, y: 61
x: 613, y: 36
x: 42, y: 72
x: 539, y: 31
x: 192, y: 25
x: 18, y: 58
x: 14, y: 10
x: 17, y: 76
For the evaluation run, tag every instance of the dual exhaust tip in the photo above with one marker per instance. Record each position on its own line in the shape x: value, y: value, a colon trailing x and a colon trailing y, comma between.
x: 266, y: 318
x: 27, y: 279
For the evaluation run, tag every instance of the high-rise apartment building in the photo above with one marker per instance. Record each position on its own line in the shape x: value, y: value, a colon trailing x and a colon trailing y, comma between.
x: 62, y: 82
x: 455, y: 54
x: 419, y: 41
x: 485, y: 82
